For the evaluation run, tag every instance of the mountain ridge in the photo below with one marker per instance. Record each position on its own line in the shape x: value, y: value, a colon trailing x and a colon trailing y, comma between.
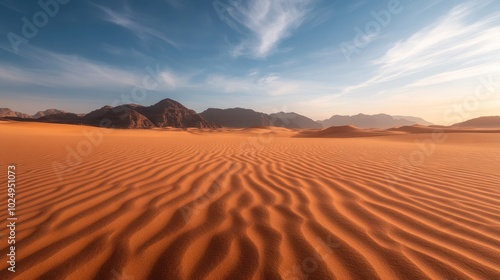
x: 166, y: 112
x: 381, y: 121
x: 170, y: 113
x: 481, y: 122
x: 241, y: 118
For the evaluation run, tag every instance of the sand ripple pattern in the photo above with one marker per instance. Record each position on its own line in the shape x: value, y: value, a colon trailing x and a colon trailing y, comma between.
x: 178, y: 205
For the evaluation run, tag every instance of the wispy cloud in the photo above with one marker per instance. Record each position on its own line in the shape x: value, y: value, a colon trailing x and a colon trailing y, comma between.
x: 455, y: 75
x: 356, y: 5
x: 49, y: 69
x: 122, y: 51
x: 136, y: 24
x: 429, y: 6
x: 63, y: 71
x: 266, y: 23
x: 450, y: 43
x: 265, y: 85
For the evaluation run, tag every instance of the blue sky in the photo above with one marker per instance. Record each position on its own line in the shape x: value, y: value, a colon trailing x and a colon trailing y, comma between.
x: 313, y: 57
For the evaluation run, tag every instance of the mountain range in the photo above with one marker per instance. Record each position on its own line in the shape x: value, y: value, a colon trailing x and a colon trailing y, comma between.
x: 382, y: 121
x: 165, y: 113
x: 240, y: 117
x: 170, y: 113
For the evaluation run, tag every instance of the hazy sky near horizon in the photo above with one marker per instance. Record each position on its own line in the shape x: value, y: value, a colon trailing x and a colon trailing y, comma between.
x: 428, y: 58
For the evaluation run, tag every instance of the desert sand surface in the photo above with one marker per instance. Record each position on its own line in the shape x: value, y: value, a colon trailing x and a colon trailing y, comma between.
x: 257, y: 203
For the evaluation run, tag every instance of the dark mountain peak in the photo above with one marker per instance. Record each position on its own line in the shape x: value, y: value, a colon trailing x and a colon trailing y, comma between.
x: 167, y: 102
x: 235, y: 117
x: 66, y: 118
x: 168, y: 112
x: 242, y: 118
x: 123, y: 116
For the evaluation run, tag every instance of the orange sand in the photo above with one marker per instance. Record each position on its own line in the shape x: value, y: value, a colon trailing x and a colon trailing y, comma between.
x: 255, y: 203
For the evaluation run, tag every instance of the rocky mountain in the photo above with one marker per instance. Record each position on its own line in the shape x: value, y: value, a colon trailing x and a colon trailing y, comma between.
x: 123, y: 116
x: 47, y: 113
x: 381, y: 121
x: 416, y: 120
x: 293, y: 120
x: 67, y: 118
x: 236, y: 117
x: 482, y: 122
x: 6, y: 112
x: 165, y: 113
x: 169, y: 112
x: 240, y: 118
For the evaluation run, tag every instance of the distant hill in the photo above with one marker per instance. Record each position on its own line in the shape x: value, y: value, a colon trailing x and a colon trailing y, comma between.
x: 6, y: 112
x: 345, y: 131
x: 67, y: 118
x: 236, y: 117
x: 241, y: 118
x: 416, y: 120
x: 381, y: 121
x: 293, y: 120
x: 47, y: 113
x: 482, y: 122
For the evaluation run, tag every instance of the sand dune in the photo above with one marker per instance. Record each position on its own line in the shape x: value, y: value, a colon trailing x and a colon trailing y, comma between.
x: 251, y: 204
x: 430, y: 129
x: 346, y: 131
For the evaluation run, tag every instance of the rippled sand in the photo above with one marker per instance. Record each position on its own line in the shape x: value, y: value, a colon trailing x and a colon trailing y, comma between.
x: 251, y: 204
